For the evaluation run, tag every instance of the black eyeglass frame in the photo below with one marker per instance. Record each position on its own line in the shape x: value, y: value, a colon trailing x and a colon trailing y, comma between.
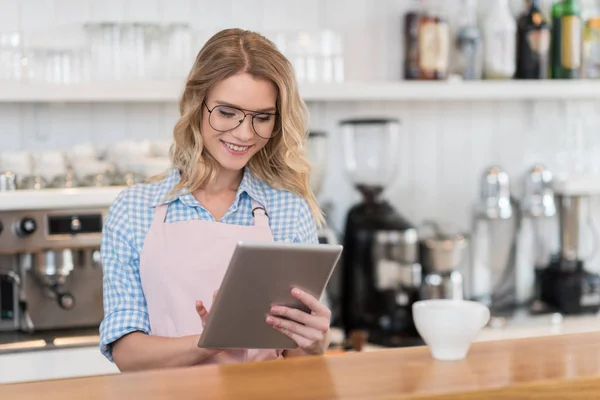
x: 246, y: 113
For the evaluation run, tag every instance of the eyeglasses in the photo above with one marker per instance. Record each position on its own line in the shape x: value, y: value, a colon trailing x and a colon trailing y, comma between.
x: 226, y: 118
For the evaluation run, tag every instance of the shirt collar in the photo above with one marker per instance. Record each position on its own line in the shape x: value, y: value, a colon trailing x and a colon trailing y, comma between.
x: 253, y: 187
x: 250, y: 185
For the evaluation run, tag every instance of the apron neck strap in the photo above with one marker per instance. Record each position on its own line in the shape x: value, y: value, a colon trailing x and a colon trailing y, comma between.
x: 160, y: 213
x: 261, y: 218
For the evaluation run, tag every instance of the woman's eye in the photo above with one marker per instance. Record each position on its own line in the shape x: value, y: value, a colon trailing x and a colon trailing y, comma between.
x: 226, y: 113
x: 263, y: 118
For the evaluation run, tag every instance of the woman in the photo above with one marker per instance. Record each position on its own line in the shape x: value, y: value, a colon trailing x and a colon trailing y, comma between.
x: 239, y: 173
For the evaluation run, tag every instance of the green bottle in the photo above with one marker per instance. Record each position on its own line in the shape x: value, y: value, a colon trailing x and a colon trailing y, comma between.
x: 556, y: 14
x: 568, y: 44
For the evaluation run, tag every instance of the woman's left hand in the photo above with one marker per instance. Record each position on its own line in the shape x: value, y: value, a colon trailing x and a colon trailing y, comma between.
x: 309, y: 330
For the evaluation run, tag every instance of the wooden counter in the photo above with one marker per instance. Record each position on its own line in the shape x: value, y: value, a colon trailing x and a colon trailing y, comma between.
x: 556, y: 367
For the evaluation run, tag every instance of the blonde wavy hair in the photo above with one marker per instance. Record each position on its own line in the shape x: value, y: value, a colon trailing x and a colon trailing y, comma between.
x: 282, y: 162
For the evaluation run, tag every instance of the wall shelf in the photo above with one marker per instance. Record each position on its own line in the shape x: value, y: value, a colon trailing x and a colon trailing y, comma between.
x: 578, y: 186
x: 348, y: 91
x: 57, y: 199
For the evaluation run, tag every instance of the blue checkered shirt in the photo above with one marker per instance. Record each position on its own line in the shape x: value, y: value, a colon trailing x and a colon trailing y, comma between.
x: 130, y: 217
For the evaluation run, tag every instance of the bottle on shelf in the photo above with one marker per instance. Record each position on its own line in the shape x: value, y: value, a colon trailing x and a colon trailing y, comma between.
x: 411, y: 40
x: 567, y: 37
x: 533, y: 43
x: 556, y: 13
x: 468, y: 42
x: 500, y: 36
x: 591, y: 42
x: 434, y: 45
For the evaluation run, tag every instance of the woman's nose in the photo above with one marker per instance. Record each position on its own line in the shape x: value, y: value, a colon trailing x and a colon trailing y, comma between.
x: 244, y: 132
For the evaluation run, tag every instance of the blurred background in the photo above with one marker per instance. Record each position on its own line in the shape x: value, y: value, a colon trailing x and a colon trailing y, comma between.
x: 465, y: 113
x: 445, y: 144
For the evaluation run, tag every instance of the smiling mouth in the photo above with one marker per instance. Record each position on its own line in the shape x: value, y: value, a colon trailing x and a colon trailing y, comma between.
x: 234, y: 148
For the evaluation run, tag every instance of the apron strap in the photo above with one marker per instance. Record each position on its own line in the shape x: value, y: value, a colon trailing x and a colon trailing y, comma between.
x: 160, y: 213
x: 261, y: 218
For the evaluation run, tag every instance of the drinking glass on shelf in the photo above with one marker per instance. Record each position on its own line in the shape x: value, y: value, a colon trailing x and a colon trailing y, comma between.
x: 104, y: 43
x: 317, y: 56
x: 10, y: 56
x: 299, y: 45
x: 153, y: 52
x: 332, y: 62
x: 178, y: 50
x: 132, y: 51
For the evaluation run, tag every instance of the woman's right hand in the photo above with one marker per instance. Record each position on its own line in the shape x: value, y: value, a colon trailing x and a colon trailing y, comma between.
x: 130, y: 352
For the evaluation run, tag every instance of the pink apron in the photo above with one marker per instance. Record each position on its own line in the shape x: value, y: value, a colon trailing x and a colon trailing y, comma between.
x: 185, y: 261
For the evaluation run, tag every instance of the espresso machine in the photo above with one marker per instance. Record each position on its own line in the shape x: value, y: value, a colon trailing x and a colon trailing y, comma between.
x: 50, y: 269
x: 566, y: 286
x: 380, y: 270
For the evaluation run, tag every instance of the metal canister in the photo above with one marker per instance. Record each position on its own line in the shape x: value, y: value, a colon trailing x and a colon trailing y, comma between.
x: 8, y: 181
x: 495, y: 224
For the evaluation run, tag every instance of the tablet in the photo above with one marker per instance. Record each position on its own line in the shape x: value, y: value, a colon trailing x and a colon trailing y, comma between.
x: 258, y: 276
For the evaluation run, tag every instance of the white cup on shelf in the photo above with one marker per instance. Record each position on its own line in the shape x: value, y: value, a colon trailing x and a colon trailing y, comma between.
x: 448, y: 327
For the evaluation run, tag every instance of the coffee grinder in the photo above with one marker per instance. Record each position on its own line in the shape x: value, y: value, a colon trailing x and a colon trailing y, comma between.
x: 380, y: 274
x: 566, y: 286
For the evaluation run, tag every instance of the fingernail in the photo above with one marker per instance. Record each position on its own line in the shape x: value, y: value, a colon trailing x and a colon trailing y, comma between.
x: 296, y: 291
x: 275, y: 309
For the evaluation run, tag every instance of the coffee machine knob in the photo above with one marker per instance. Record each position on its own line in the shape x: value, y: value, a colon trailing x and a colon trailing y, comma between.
x: 66, y: 301
x: 26, y: 227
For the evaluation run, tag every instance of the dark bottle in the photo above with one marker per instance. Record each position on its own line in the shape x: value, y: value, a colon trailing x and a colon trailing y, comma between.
x: 533, y: 44
x: 411, y: 42
x: 566, y: 57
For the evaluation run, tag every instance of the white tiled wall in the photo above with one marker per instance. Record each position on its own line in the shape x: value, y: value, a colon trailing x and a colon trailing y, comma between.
x: 445, y: 145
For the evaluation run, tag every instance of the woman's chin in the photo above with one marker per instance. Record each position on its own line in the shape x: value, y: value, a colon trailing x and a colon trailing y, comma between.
x: 233, y: 163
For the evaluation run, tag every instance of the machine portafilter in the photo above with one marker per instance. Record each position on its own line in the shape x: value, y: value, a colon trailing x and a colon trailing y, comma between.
x: 52, y: 268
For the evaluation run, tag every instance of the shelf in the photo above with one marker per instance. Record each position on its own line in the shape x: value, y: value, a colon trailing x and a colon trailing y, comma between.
x: 348, y: 91
x: 55, y: 199
x: 453, y: 91
x: 582, y: 186
x: 96, y: 92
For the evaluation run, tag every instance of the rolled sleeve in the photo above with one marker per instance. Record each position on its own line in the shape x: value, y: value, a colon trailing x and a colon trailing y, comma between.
x: 125, y: 308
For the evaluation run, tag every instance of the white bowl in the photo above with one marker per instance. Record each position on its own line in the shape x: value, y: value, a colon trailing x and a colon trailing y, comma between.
x: 449, y: 326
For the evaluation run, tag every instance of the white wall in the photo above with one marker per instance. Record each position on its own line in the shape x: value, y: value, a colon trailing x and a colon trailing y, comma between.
x: 445, y: 145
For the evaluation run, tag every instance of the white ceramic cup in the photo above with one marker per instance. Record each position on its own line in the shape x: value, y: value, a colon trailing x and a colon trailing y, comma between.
x: 449, y: 326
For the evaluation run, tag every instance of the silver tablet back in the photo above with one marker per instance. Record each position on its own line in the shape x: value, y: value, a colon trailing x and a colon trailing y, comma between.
x: 260, y: 275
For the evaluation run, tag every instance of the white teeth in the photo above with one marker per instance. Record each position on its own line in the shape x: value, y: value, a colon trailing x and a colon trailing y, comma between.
x: 236, y: 148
